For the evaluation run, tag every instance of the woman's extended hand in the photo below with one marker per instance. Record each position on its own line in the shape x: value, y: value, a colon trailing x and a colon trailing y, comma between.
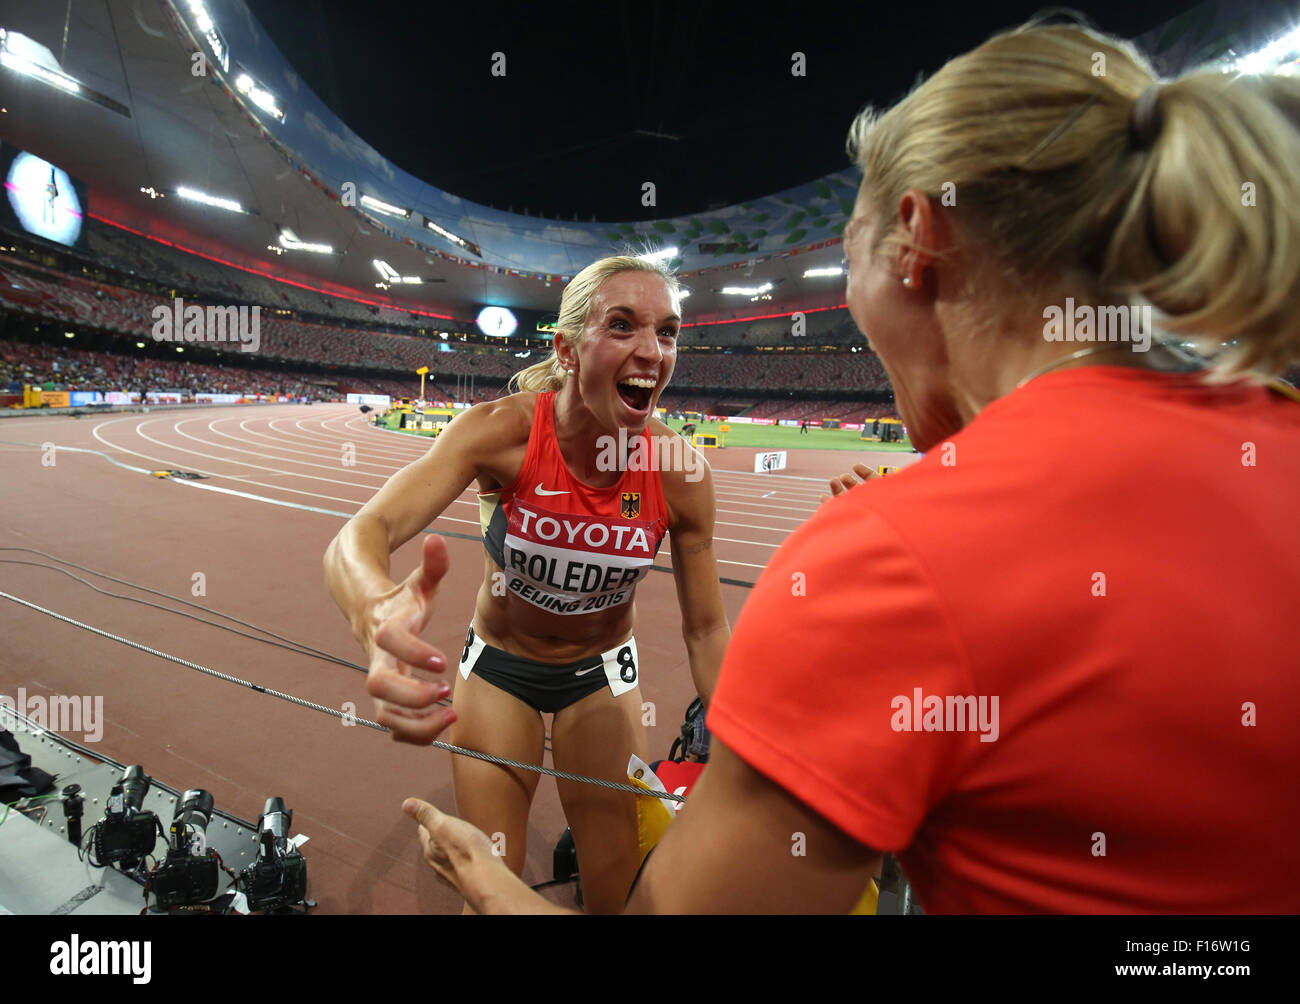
x: 844, y: 482
x: 455, y: 849
x: 465, y: 859
x: 406, y: 701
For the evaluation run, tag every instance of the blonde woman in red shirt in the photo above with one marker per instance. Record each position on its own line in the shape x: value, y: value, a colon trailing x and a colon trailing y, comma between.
x: 572, y: 519
x: 1052, y: 664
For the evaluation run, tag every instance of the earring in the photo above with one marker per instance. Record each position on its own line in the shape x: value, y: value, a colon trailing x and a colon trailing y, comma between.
x: 907, y: 281
x: 570, y: 372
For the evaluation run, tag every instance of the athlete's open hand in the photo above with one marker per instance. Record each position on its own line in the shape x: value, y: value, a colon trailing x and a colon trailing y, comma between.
x: 464, y: 859
x: 406, y: 699
x: 844, y: 482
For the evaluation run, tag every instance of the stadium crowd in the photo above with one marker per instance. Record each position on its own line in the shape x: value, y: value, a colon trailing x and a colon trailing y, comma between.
x: 137, y: 256
x: 56, y: 368
x: 81, y: 297
x: 63, y: 368
x: 42, y: 292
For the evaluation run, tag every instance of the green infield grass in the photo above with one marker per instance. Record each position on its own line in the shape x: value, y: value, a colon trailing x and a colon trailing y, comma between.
x: 786, y: 437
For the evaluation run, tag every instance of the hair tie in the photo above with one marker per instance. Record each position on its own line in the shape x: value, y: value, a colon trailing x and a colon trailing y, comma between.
x: 1146, y: 121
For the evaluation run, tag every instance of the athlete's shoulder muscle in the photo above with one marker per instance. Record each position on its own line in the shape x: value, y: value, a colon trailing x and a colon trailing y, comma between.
x: 494, y: 435
x: 686, y: 476
x: 482, y: 442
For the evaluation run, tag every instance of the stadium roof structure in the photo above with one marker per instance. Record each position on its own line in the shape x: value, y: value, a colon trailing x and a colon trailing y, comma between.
x: 192, y: 94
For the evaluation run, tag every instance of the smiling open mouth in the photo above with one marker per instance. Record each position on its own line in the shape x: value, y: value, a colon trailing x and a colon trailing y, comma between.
x: 636, y: 398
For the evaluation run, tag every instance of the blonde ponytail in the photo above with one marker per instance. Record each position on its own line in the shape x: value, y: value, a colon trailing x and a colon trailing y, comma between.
x: 1211, y: 235
x: 1200, y: 217
x: 543, y: 376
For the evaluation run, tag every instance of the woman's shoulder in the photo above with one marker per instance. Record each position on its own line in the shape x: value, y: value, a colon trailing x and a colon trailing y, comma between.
x: 683, y: 471
x: 492, y: 437
x: 506, y: 421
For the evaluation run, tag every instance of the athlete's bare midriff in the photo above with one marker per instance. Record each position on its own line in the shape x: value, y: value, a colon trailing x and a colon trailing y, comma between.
x: 518, y: 627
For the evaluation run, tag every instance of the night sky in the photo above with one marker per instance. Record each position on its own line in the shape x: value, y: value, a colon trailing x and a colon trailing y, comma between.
x: 564, y: 132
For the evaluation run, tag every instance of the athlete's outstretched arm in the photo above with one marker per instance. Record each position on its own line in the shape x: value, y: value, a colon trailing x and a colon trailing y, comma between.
x: 387, y: 616
x: 695, y: 569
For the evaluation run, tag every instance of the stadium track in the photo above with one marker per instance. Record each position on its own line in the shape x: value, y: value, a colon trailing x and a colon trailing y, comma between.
x: 260, y: 553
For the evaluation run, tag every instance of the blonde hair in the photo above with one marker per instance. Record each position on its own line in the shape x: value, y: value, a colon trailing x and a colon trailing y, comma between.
x: 575, y: 304
x: 1034, y: 130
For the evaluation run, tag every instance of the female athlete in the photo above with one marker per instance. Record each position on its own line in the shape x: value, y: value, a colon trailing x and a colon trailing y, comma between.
x: 575, y: 498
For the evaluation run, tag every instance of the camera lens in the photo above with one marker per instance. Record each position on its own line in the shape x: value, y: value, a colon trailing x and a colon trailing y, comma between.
x: 195, y: 813
x: 277, y: 819
x: 135, y: 785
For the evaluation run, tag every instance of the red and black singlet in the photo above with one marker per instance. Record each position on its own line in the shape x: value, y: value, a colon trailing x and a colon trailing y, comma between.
x: 567, y: 547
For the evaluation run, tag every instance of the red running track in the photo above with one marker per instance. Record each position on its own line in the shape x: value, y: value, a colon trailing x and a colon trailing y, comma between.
x: 258, y: 544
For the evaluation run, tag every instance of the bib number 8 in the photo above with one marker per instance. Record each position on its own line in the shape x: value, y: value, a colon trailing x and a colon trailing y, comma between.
x: 626, y: 665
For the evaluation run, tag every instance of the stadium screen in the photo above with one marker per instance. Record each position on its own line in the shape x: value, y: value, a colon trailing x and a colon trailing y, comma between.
x: 41, y: 199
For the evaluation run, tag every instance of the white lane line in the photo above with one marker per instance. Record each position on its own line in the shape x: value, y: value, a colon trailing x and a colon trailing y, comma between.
x: 268, y: 456
x: 315, y: 445
x: 246, y: 480
x: 318, y: 447
x: 251, y: 437
x: 755, y: 526
x: 473, y: 501
x: 410, y: 445
x: 462, y: 501
x: 765, y: 480
x: 756, y: 491
x: 333, y: 438
x: 134, y: 453
x: 294, y: 474
x: 244, y: 463
x: 746, y: 500
x: 269, y: 501
x: 752, y: 543
x: 171, y: 462
x: 765, y: 474
x: 365, y: 426
x: 401, y: 453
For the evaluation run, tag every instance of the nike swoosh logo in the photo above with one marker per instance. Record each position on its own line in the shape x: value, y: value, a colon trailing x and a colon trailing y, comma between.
x: 584, y: 672
x: 542, y: 491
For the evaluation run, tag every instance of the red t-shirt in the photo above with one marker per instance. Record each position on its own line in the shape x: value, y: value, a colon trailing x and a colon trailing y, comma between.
x: 1114, y: 554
